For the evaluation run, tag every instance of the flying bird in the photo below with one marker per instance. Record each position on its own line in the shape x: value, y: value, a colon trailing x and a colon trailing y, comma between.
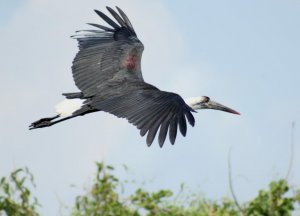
x: 107, y: 71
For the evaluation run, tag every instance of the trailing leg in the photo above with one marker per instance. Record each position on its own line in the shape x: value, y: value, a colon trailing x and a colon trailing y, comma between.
x: 67, y: 109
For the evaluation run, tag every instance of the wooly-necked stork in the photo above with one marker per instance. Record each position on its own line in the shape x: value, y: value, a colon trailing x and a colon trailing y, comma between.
x: 107, y: 70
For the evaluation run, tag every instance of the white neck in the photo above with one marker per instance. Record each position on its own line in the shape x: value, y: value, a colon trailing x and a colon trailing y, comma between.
x: 193, y: 102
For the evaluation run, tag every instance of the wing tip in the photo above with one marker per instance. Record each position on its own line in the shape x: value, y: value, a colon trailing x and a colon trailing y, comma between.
x: 161, y: 144
x: 107, y: 19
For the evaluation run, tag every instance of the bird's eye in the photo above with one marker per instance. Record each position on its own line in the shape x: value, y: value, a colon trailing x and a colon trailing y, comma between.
x: 206, y: 99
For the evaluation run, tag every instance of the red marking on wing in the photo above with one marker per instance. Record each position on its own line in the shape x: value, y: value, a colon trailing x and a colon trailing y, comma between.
x: 131, y: 61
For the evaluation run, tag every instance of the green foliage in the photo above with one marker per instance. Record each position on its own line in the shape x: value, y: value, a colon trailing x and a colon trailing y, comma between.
x: 272, y: 202
x: 15, y: 196
x: 104, y: 198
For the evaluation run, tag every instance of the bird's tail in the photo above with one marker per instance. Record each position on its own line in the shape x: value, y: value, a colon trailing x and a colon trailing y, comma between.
x: 66, y: 109
x: 74, y: 95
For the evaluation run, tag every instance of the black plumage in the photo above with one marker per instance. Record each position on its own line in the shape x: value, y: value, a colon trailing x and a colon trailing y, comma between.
x: 107, y: 70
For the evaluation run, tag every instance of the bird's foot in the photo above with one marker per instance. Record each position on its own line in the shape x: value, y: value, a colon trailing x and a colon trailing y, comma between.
x: 44, y: 122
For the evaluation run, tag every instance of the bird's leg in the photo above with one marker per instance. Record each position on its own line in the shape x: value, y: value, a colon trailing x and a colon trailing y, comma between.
x: 46, y: 122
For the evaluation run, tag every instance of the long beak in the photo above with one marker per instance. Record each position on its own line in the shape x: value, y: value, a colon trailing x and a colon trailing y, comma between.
x: 217, y: 106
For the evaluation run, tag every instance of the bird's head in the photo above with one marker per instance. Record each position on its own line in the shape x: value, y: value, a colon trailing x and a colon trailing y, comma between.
x: 204, y: 102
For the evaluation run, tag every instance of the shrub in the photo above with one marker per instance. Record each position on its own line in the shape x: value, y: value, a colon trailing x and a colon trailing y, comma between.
x: 15, y: 197
x: 104, y: 199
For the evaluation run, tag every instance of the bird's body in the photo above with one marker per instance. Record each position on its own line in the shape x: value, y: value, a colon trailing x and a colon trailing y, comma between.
x: 107, y: 70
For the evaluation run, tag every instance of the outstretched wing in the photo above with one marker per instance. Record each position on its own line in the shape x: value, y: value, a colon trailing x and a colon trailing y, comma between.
x: 107, y: 53
x: 150, y: 110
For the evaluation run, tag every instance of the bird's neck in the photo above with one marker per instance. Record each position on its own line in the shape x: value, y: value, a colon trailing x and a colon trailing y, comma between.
x: 193, y: 102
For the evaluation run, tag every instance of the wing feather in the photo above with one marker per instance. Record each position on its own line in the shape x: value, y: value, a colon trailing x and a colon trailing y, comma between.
x: 106, y: 53
x: 154, y: 128
x: 164, y: 129
x: 127, y: 21
x: 101, y: 27
x: 155, y: 119
x: 182, y: 124
x: 190, y: 118
x: 148, y: 110
x: 117, y: 17
x: 107, y: 19
x: 173, y: 130
x: 149, y: 120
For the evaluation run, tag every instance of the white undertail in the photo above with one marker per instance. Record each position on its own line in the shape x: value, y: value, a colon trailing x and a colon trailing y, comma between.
x: 68, y: 107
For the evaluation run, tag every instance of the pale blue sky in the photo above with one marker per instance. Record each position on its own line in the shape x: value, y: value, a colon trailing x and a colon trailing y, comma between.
x: 244, y: 54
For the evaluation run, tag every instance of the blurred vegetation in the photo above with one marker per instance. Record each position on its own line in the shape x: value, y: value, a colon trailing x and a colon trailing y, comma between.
x: 104, y: 199
x: 15, y: 195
